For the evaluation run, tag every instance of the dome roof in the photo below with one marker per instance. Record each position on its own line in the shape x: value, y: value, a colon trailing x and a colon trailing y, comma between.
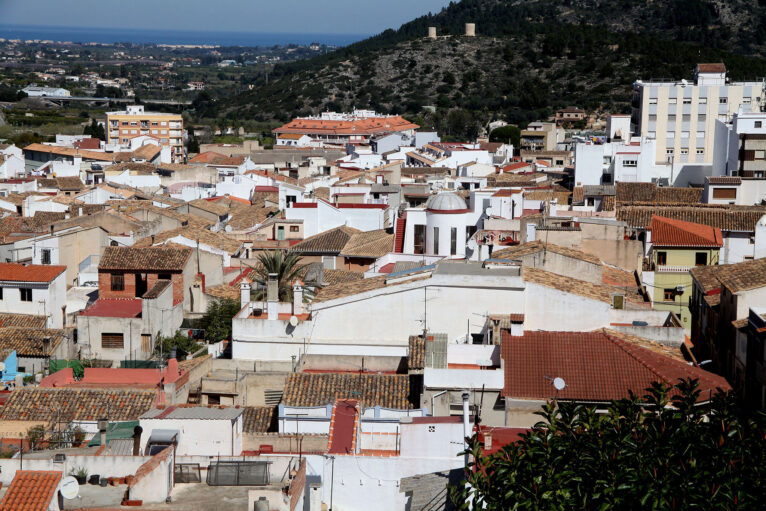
x: 446, y: 201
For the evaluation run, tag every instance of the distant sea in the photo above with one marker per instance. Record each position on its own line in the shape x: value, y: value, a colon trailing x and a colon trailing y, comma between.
x: 122, y: 35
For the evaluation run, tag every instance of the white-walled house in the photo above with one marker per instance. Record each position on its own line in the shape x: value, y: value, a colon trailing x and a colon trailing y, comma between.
x: 200, y: 430
x: 11, y: 166
x: 624, y: 161
x: 321, y: 216
x: 34, y: 289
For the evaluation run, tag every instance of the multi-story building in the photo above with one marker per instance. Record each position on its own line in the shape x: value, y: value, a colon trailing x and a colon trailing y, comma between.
x: 541, y: 136
x: 126, y: 125
x: 673, y: 247
x: 681, y: 115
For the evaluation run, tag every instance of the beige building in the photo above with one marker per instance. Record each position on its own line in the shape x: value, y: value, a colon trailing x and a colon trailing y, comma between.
x: 168, y: 129
x: 681, y: 115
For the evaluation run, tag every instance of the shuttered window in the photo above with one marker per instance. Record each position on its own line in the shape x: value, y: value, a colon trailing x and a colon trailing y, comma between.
x: 118, y: 282
x: 724, y: 193
x: 112, y: 341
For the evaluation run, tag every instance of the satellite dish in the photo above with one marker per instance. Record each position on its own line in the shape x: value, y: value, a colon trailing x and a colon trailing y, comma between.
x: 69, y: 487
x: 559, y: 383
x: 227, y: 228
x: 2, y: 366
x: 293, y: 321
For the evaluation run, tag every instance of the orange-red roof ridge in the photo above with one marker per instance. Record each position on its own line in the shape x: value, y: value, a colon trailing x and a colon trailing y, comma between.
x: 673, y: 232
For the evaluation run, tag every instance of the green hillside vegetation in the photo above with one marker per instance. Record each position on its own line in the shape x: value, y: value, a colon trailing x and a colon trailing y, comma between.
x: 530, y: 58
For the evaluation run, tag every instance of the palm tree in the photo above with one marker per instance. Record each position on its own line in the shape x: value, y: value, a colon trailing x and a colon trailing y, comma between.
x: 287, y: 267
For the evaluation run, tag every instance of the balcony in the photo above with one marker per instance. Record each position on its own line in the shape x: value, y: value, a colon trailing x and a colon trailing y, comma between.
x: 665, y: 268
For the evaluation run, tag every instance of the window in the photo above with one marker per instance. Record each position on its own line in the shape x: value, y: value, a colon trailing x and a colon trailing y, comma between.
x: 652, y: 101
x: 652, y: 117
x: 118, y: 282
x: 687, y: 101
x: 669, y: 295
x: 469, y: 231
x: 700, y: 151
x: 684, y: 151
x: 294, y: 228
x: 436, y: 240
x: 672, y: 101
x: 746, y: 101
x: 702, y: 101
x: 700, y: 134
x: 630, y: 163
x: 758, y: 124
x: 591, y: 201
x: 662, y: 258
x: 112, y: 341
x: 1, y: 289
x: 701, y: 118
x: 668, y: 151
x: 420, y: 239
x: 163, y: 276
x: 700, y: 258
x: 686, y: 117
x: 45, y: 256
x: 724, y: 193
x: 651, y: 134
x: 723, y: 101
x: 684, y: 134
x: 453, y: 241
x: 671, y: 117
x: 154, y: 123
x: 26, y: 294
x: 133, y: 123
x: 760, y: 155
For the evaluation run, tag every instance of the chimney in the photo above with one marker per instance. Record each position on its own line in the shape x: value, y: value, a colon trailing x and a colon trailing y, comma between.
x: 488, y: 441
x: 244, y: 294
x: 272, y: 296
x: 298, y: 297
x: 137, y: 440
x: 46, y: 345
x: 79, y: 213
x: 172, y: 369
x: 103, y: 425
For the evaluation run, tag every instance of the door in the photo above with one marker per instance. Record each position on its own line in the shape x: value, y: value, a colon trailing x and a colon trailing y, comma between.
x: 281, y: 232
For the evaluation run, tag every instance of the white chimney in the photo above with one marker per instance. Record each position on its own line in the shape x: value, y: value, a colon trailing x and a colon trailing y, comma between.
x: 298, y: 297
x: 272, y: 296
x: 244, y: 294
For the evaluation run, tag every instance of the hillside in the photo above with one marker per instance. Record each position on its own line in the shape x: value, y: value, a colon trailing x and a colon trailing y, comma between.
x: 531, y: 56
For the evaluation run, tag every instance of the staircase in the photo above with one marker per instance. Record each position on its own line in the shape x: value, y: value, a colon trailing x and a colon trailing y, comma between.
x: 399, y: 239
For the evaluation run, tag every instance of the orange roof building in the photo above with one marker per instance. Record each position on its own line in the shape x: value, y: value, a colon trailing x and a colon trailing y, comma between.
x: 31, y: 490
x: 669, y: 232
x: 339, y: 129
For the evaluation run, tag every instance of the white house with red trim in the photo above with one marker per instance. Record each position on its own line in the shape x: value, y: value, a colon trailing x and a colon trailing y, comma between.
x: 37, y: 289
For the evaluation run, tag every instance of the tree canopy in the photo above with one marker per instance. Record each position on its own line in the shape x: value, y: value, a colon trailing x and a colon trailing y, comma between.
x: 665, y: 451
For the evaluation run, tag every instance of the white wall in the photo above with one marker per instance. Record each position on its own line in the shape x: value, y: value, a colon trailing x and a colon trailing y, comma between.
x: 200, y: 437
x: 547, y: 309
x: 47, y: 300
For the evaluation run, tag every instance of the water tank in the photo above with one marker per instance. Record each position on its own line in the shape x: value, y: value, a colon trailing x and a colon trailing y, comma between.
x: 432, y: 32
x: 262, y: 504
x: 470, y: 29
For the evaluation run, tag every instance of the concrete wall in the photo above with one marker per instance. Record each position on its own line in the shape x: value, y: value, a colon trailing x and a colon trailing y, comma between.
x: 105, y: 466
x: 625, y: 254
x: 200, y: 437
x: 545, y: 307
x: 285, y: 442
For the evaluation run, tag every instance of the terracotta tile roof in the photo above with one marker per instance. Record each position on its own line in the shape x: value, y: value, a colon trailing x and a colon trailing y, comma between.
x: 8, y: 319
x: 735, y: 277
x: 69, y: 183
x: 726, y: 219
x: 131, y: 207
x: 16, y: 272
x: 329, y: 242
x: 210, y: 206
x: 188, y: 365
x: 669, y: 232
x: 385, y: 390
x: 724, y: 180
x: 31, y: 490
x: 578, y: 195
x: 717, y: 67
x: 562, y: 198
x: 369, y: 244
x: 70, y: 404
x: 617, y: 276
x: 258, y: 419
x: 217, y: 240
x: 138, y: 168
x: 650, y: 193
x: 246, y: 217
x: 29, y: 342
x: 332, y: 277
x: 416, y: 357
x: 599, y: 292
x: 596, y: 366
x: 157, y: 289
x: 223, y: 291
x: 207, y: 157
x: 345, y: 289
x: 323, y: 192
x: 363, y: 126
x: 144, y: 258
x: 536, y: 246
x: 69, y: 151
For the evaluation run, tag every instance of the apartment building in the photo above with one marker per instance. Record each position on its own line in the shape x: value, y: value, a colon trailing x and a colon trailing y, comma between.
x: 168, y: 129
x: 681, y: 115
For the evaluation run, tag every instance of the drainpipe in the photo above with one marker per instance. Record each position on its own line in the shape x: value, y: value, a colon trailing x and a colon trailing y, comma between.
x: 432, y: 401
x: 466, y: 425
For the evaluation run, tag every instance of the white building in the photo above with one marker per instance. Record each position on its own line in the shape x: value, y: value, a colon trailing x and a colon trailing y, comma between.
x: 199, y: 431
x: 11, y: 166
x: 632, y: 160
x: 34, y: 91
x: 34, y: 289
x: 321, y: 216
x: 681, y: 115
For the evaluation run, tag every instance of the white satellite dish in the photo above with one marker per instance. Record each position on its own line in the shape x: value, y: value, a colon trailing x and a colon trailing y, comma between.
x: 293, y: 321
x: 227, y: 228
x: 2, y: 366
x: 559, y: 383
x: 69, y: 488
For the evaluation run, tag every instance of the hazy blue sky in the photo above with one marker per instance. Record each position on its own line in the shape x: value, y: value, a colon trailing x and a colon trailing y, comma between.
x: 314, y: 16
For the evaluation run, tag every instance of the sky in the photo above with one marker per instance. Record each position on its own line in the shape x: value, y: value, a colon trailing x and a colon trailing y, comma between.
x: 271, y: 16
